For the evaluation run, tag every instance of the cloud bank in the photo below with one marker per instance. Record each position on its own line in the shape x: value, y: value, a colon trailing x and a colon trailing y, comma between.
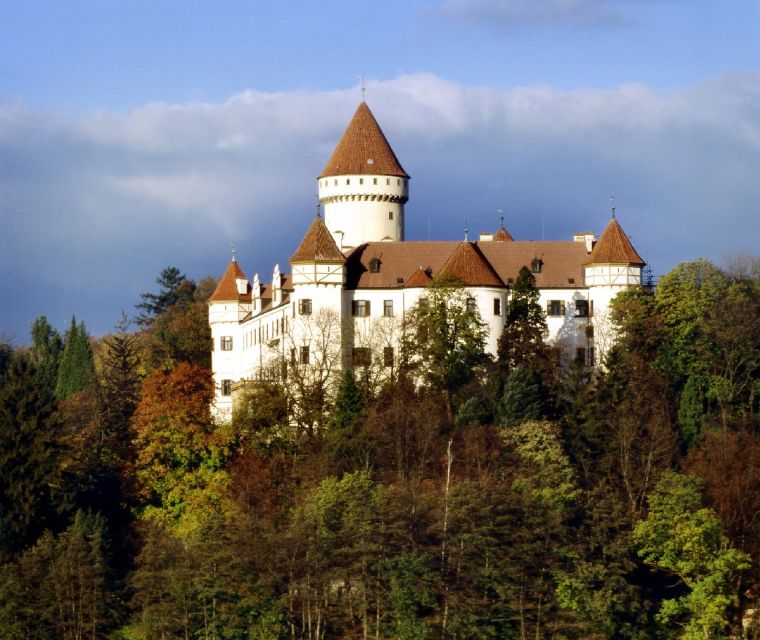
x: 92, y: 207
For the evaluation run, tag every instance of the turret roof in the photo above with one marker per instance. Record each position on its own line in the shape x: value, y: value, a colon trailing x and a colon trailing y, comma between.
x: 227, y: 287
x: 469, y: 265
x: 363, y: 150
x: 614, y: 247
x: 318, y: 245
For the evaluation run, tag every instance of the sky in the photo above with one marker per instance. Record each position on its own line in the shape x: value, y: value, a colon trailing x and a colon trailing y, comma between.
x: 138, y: 135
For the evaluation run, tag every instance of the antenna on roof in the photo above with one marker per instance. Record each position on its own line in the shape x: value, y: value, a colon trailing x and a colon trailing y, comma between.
x: 612, y: 206
x: 233, y: 251
x: 363, y: 88
x: 465, y: 229
x: 501, y: 217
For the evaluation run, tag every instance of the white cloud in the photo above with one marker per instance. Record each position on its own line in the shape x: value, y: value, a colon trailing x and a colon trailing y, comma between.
x: 109, y: 200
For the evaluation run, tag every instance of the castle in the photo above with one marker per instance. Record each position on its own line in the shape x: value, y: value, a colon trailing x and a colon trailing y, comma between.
x: 353, y: 276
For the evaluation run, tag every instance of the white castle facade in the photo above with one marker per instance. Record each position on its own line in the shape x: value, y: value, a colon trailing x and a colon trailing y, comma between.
x: 353, y: 277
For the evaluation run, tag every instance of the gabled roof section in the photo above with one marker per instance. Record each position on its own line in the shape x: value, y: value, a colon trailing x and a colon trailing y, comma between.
x: 502, y: 235
x: 227, y: 287
x: 419, y: 278
x: 363, y: 150
x: 614, y: 247
x: 318, y: 245
x: 469, y: 265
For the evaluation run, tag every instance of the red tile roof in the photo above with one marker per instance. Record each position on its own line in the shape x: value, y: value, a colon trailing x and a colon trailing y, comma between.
x: 419, y: 278
x: 614, y: 247
x: 468, y: 265
x: 227, y: 287
x: 318, y: 245
x: 502, y: 235
x: 363, y: 150
x: 562, y: 262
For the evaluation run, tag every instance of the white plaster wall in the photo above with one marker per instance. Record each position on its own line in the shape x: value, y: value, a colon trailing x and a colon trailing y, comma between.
x: 359, y: 206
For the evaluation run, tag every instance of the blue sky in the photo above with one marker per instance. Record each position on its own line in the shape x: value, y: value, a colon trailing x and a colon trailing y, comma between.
x: 142, y: 134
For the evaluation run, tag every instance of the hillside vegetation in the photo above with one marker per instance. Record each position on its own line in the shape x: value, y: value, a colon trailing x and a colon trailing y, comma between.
x: 453, y: 497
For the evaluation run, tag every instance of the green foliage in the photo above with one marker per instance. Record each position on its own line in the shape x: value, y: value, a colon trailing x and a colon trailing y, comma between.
x: 31, y: 479
x: 691, y: 411
x: 174, y: 288
x: 347, y: 438
x: 411, y: 588
x: 76, y: 371
x: 521, y: 400
x: 523, y: 341
x: 442, y: 340
x: 681, y: 536
x: 46, y: 351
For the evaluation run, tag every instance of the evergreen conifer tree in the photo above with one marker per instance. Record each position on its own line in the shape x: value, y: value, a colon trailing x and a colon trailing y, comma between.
x: 523, y: 340
x: 175, y: 287
x: 46, y: 351
x: 77, y: 366
x: 521, y: 400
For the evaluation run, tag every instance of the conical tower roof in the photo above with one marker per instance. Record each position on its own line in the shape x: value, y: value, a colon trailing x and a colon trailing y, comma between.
x: 227, y: 287
x: 614, y: 247
x: 469, y: 265
x: 363, y: 150
x: 318, y: 245
x: 419, y: 278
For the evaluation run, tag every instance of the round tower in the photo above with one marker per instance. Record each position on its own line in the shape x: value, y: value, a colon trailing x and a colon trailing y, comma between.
x: 363, y: 187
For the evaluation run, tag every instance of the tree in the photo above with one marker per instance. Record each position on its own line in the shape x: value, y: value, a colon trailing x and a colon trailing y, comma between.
x: 523, y: 341
x: 77, y: 367
x: 175, y: 288
x: 31, y: 479
x: 521, y: 400
x: 46, y: 351
x: 444, y: 341
x: 179, y: 454
x: 347, y: 437
x: 681, y: 536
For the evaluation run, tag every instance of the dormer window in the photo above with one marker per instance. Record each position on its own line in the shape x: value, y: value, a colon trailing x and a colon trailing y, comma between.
x: 374, y: 265
x: 536, y: 265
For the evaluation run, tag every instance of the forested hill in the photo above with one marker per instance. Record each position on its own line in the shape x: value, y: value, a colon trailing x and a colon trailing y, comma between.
x: 445, y: 496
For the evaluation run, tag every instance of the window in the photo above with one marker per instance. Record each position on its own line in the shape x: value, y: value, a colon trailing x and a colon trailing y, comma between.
x: 226, y: 387
x: 555, y: 308
x: 226, y: 343
x: 390, y: 215
x: 497, y: 306
x: 535, y: 265
x: 360, y: 308
x: 305, y: 355
x: 374, y: 265
x: 348, y: 180
x: 374, y: 180
x: 388, y: 308
x: 387, y: 356
x: 361, y: 180
x: 472, y: 305
x: 581, y: 308
x: 360, y: 356
x: 304, y: 307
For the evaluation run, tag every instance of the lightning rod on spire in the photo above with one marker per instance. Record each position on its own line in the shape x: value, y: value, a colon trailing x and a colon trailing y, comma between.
x: 612, y: 206
x: 363, y: 88
x: 501, y: 217
x: 232, y: 244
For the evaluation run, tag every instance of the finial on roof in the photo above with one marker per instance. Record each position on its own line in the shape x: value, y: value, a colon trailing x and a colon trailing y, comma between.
x: 363, y: 88
x: 612, y: 206
x: 465, y: 229
x: 233, y: 252
x: 501, y: 217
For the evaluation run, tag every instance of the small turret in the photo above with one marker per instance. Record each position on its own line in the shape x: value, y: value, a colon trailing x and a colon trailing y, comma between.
x: 363, y: 187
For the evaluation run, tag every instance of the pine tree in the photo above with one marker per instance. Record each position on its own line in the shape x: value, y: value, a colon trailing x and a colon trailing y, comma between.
x: 175, y: 287
x: 347, y: 438
x: 46, y: 351
x: 521, y: 400
x: 523, y: 340
x: 30, y: 469
x: 77, y: 366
